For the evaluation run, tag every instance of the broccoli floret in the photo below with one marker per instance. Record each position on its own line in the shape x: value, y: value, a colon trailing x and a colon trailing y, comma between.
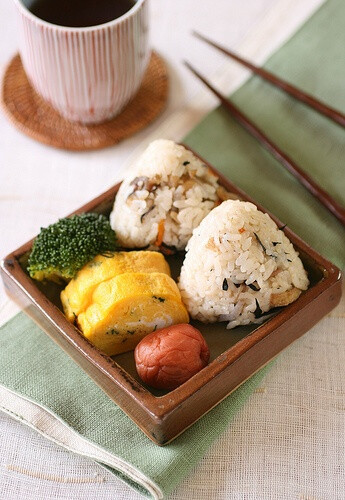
x: 63, y: 248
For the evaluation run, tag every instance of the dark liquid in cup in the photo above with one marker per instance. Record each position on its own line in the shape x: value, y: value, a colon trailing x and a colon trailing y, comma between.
x: 80, y: 13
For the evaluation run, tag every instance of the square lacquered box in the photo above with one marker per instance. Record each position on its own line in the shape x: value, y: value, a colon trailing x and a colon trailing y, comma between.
x: 235, y: 354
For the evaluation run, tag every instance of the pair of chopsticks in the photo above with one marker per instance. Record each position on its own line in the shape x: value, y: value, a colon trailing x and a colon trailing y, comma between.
x: 325, y: 198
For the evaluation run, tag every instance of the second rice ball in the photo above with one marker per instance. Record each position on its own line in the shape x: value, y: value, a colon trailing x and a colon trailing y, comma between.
x: 238, y: 266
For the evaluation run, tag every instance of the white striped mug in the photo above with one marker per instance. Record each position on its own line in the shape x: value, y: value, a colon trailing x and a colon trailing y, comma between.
x: 87, y: 74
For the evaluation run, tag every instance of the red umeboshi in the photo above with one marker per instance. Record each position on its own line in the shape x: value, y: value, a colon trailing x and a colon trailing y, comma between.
x: 168, y: 357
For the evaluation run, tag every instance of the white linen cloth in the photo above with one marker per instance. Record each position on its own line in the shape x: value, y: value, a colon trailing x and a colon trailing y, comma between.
x: 287, y: 442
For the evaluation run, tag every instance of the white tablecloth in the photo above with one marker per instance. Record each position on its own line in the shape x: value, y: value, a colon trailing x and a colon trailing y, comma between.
x: 288, y: 440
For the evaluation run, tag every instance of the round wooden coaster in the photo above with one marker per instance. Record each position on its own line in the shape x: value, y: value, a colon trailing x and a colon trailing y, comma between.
x: 33, y: 116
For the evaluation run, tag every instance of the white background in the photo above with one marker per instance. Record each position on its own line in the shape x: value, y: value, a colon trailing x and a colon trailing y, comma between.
x: 287, y: 441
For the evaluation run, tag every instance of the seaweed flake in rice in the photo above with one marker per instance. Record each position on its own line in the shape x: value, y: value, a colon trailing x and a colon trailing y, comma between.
x: 238, y: 266
x: 164, y: 197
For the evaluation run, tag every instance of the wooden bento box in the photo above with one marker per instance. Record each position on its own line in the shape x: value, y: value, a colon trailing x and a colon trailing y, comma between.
x: 235, y: 354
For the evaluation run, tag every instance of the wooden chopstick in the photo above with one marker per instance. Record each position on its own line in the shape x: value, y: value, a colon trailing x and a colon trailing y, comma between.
x: 332, y: 205
x: 332, y: 113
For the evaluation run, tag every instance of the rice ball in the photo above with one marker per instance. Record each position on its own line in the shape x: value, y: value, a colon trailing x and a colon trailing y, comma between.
x: 238, y: 266
x: 164, y: 197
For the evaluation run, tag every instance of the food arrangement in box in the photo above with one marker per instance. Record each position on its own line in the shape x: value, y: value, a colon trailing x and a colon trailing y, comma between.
x: 237, y: 265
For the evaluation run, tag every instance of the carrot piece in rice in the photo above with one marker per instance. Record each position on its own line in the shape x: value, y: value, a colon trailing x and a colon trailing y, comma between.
x: 160, y: 233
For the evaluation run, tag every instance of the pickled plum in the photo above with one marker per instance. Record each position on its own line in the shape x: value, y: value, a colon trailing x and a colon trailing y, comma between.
x: 168, y: 357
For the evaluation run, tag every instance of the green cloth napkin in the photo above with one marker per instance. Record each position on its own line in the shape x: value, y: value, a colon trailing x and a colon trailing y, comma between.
x: 36, y: 369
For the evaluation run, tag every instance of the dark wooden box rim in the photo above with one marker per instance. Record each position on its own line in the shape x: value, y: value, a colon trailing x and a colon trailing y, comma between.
x: 158, y: 408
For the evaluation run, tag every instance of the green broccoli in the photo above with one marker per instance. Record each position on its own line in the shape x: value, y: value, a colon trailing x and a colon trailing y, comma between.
x: 63, y: 248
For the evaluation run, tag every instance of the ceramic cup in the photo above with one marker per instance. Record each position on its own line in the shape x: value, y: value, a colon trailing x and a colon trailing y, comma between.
x: 87, y: 74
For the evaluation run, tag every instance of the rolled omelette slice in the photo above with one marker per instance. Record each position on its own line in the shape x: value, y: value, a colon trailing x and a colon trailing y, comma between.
x: 126, y: 308
x: 77, y: 295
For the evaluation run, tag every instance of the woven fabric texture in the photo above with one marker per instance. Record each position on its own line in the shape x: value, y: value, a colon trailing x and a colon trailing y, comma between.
x: 41, y: 372
x: 289, y: 418
x: 297, y: 400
